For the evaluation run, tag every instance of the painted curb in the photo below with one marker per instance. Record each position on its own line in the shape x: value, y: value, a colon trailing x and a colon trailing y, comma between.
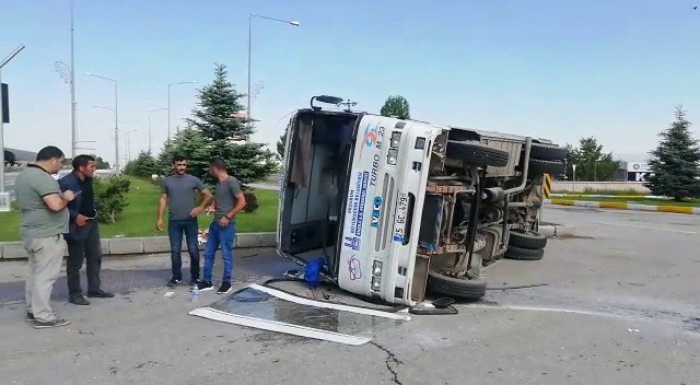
x: 625, y: 206
x: 144, y: 245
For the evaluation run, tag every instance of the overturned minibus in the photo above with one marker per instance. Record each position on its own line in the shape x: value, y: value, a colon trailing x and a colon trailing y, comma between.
x: 398, y: 208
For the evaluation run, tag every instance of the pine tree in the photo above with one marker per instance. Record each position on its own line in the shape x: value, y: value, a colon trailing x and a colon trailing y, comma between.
x: 396, y: 107
x: 281, y: 145
x: 223, y: 131
x: 674, y: 163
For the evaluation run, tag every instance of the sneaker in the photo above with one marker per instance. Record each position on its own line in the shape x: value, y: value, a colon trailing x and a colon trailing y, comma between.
x: 79, y: 300
x: 205, y: 286
x: 225, y: 288
x: 58, y: 322
x: 174, y: 282
x: 29, y: 317
x: 100, y: 294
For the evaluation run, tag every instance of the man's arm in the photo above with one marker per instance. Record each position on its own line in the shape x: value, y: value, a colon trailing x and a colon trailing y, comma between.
x: 64, y: 184
x: 50, y: 192
x: 206, y: 195
x: 162, y: 204
x: 240, y: 198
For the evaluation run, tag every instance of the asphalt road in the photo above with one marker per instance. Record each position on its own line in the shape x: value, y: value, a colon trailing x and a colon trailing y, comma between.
x: 620, y: 307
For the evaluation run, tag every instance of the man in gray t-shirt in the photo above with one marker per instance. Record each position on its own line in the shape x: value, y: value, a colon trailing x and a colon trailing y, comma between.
x: 229, y: 201
x: 178, y: 193
x: 44, y: 221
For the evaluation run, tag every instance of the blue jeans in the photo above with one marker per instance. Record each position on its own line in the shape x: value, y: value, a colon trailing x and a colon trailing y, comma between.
x: 191, y: 230
x: 224, y: 237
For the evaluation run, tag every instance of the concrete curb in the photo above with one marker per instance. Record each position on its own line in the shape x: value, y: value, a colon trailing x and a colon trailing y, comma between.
x: 625, y: 206
x: 143, y: 245
x: 557, y: 230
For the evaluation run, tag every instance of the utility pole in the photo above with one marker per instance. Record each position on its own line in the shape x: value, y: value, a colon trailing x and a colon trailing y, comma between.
x: 73, y: 129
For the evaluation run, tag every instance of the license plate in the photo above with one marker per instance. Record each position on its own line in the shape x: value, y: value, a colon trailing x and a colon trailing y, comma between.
x: 401, y: 217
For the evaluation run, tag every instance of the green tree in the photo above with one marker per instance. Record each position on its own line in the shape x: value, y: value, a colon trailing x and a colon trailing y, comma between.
x: 396, y: 107
x: 281, y: 143
x: 191, y: 144
x: 674, y: 163
x: 144, y: 166
x: 215, y: 118
x: 592, y: 164
x: 101, y: 164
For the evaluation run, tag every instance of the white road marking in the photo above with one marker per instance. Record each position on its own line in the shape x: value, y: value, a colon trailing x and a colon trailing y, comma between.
x: 644, y: 227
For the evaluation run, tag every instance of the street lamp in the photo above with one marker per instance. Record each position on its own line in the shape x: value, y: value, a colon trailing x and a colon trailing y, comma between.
x: 170, y: 85
x: 127, y: 139
x: 250, y: 49
x: 149, y: 125
x: 2, y: 119
x: 116, y: 137
x: 116, y: 117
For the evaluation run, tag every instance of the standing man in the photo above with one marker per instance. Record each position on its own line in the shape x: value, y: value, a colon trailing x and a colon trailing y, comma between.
x: 84, y: 236
x: 178, y: 193
x: 229, y: 201
x: 44, y: 221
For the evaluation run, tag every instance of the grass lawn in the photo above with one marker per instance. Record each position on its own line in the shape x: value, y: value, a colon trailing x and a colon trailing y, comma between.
x: 640, y: 201
x: 139, y: 217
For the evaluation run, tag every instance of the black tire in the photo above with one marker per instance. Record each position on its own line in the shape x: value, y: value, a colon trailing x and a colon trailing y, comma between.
x: 464, y: 289
x: 523, y: 254
x: 477, y: 153
x: 547, y: 152
x: 539, y: 167
x: 527, y: 239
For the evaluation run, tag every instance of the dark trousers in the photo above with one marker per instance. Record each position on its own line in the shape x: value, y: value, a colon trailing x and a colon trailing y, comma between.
x: 85, y: 247
x: 191, y: 230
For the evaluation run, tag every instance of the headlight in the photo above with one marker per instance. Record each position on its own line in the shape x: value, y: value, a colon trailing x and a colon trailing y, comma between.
x: 377, y: 268
x: 376, y: 284
x: 392, y: 157
x: 395, y: 139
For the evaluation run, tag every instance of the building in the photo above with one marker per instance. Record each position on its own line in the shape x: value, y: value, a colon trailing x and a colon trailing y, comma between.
x: 13, y: 156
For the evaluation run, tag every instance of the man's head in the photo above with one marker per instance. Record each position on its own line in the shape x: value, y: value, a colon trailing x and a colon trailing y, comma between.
x: 179, y: 164
x: 51, y: 158
x: 84, y: 165
x: 217, y: 166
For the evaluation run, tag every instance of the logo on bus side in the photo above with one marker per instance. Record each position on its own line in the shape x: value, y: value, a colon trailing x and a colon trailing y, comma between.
x: 354, y: 268
x: 371, y: 137
x: 376, y: 207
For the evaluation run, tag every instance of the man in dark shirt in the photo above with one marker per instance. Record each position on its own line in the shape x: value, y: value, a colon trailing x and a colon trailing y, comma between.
x: 83, y: 238
x: 178, y: 194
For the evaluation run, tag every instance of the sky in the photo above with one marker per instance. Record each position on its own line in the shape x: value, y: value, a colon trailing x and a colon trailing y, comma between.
x: 560, y: 70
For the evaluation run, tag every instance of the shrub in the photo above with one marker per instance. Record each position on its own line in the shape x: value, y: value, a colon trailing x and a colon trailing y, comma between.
x: 110, y: 197
x: 144, y: 166
x: 251, y: 202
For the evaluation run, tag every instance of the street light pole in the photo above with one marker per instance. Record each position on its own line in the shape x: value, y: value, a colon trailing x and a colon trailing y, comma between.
x: 73, y: 130
x: 127, y: 138
x: 170, y: 85
x: 2, y: 119
x: 116, y: 118
x: 149, y: 126
x: 250, y: 52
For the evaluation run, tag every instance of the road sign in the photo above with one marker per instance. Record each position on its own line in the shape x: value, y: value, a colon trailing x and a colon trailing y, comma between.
x: 5, y: 98
x: 547, y: 186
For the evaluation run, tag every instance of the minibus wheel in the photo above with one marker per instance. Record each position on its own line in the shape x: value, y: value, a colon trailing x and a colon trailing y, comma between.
x: 465, y: 289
